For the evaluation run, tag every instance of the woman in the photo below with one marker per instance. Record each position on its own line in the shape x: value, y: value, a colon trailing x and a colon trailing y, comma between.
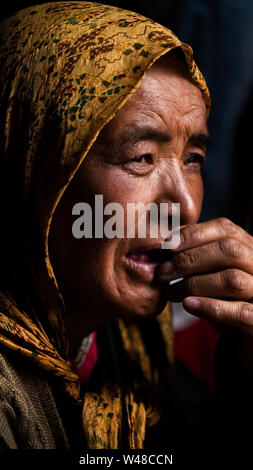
x: 89, y: 95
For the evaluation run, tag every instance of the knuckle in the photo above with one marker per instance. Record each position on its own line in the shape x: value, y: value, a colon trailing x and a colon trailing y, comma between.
x: 226, y: 225
x: 192, y: 284
x: 231, y: 248
x: 244, y: 314
x: 235, y: 280
x: 200, y: 232
x: 185, y: 260
x: 216, y: 309
x: 193, y: 232
x: 187, y: 233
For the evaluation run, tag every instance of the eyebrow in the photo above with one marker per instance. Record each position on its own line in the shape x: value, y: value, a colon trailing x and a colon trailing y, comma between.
x: 133, y: 135
x: 201, y: 140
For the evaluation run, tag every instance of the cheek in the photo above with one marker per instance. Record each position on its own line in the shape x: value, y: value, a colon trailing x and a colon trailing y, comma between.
x: 197, y: 191
x: 70, y: 256
x: 114, y: 185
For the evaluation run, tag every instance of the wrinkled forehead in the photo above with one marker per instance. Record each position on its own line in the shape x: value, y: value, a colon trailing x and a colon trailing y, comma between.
x: 167, y: 98
x: 169, y: 80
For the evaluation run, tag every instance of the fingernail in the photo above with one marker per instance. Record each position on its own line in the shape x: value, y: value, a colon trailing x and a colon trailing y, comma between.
x: 191, y: 303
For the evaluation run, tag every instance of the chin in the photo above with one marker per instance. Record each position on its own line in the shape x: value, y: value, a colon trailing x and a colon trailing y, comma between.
x: 145, y: 303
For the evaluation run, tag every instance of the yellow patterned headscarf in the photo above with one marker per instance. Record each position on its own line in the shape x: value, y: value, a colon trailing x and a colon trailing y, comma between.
x: 66, y: 69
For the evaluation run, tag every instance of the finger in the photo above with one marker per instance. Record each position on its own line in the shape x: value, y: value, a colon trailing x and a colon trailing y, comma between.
x: 193, y: 235
x: 231, y: 313
x: 227, y: 284
x: 218, y: 255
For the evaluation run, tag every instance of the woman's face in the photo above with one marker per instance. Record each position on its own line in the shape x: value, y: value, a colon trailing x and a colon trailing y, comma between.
x: 152, y: 151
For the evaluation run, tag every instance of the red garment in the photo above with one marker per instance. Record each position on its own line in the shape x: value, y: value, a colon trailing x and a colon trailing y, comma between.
x: 86, y: 358
x: 194, y: 347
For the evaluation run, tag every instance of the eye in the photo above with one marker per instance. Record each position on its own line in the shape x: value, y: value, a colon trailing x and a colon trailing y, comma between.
x: 147, y: 158
x: 141, y: 165
x: 195, y: 158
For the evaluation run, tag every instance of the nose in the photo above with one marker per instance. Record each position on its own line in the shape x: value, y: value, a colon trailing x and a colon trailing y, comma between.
x: 174, y: 187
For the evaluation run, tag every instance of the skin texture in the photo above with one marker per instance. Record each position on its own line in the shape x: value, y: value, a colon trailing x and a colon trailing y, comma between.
x: 215, y: 258
x: 94, y: 277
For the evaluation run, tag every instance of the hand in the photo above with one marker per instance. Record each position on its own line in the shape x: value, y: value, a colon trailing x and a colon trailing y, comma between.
x: 216, y: 260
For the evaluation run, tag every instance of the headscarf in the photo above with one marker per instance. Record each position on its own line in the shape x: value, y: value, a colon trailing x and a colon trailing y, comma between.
x: 66, y: 69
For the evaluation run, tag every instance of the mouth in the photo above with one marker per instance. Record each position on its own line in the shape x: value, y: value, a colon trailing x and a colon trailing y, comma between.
x: 142, y: 262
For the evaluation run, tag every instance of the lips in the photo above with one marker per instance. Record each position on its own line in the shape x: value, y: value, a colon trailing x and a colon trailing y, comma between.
x: 143, y: 261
